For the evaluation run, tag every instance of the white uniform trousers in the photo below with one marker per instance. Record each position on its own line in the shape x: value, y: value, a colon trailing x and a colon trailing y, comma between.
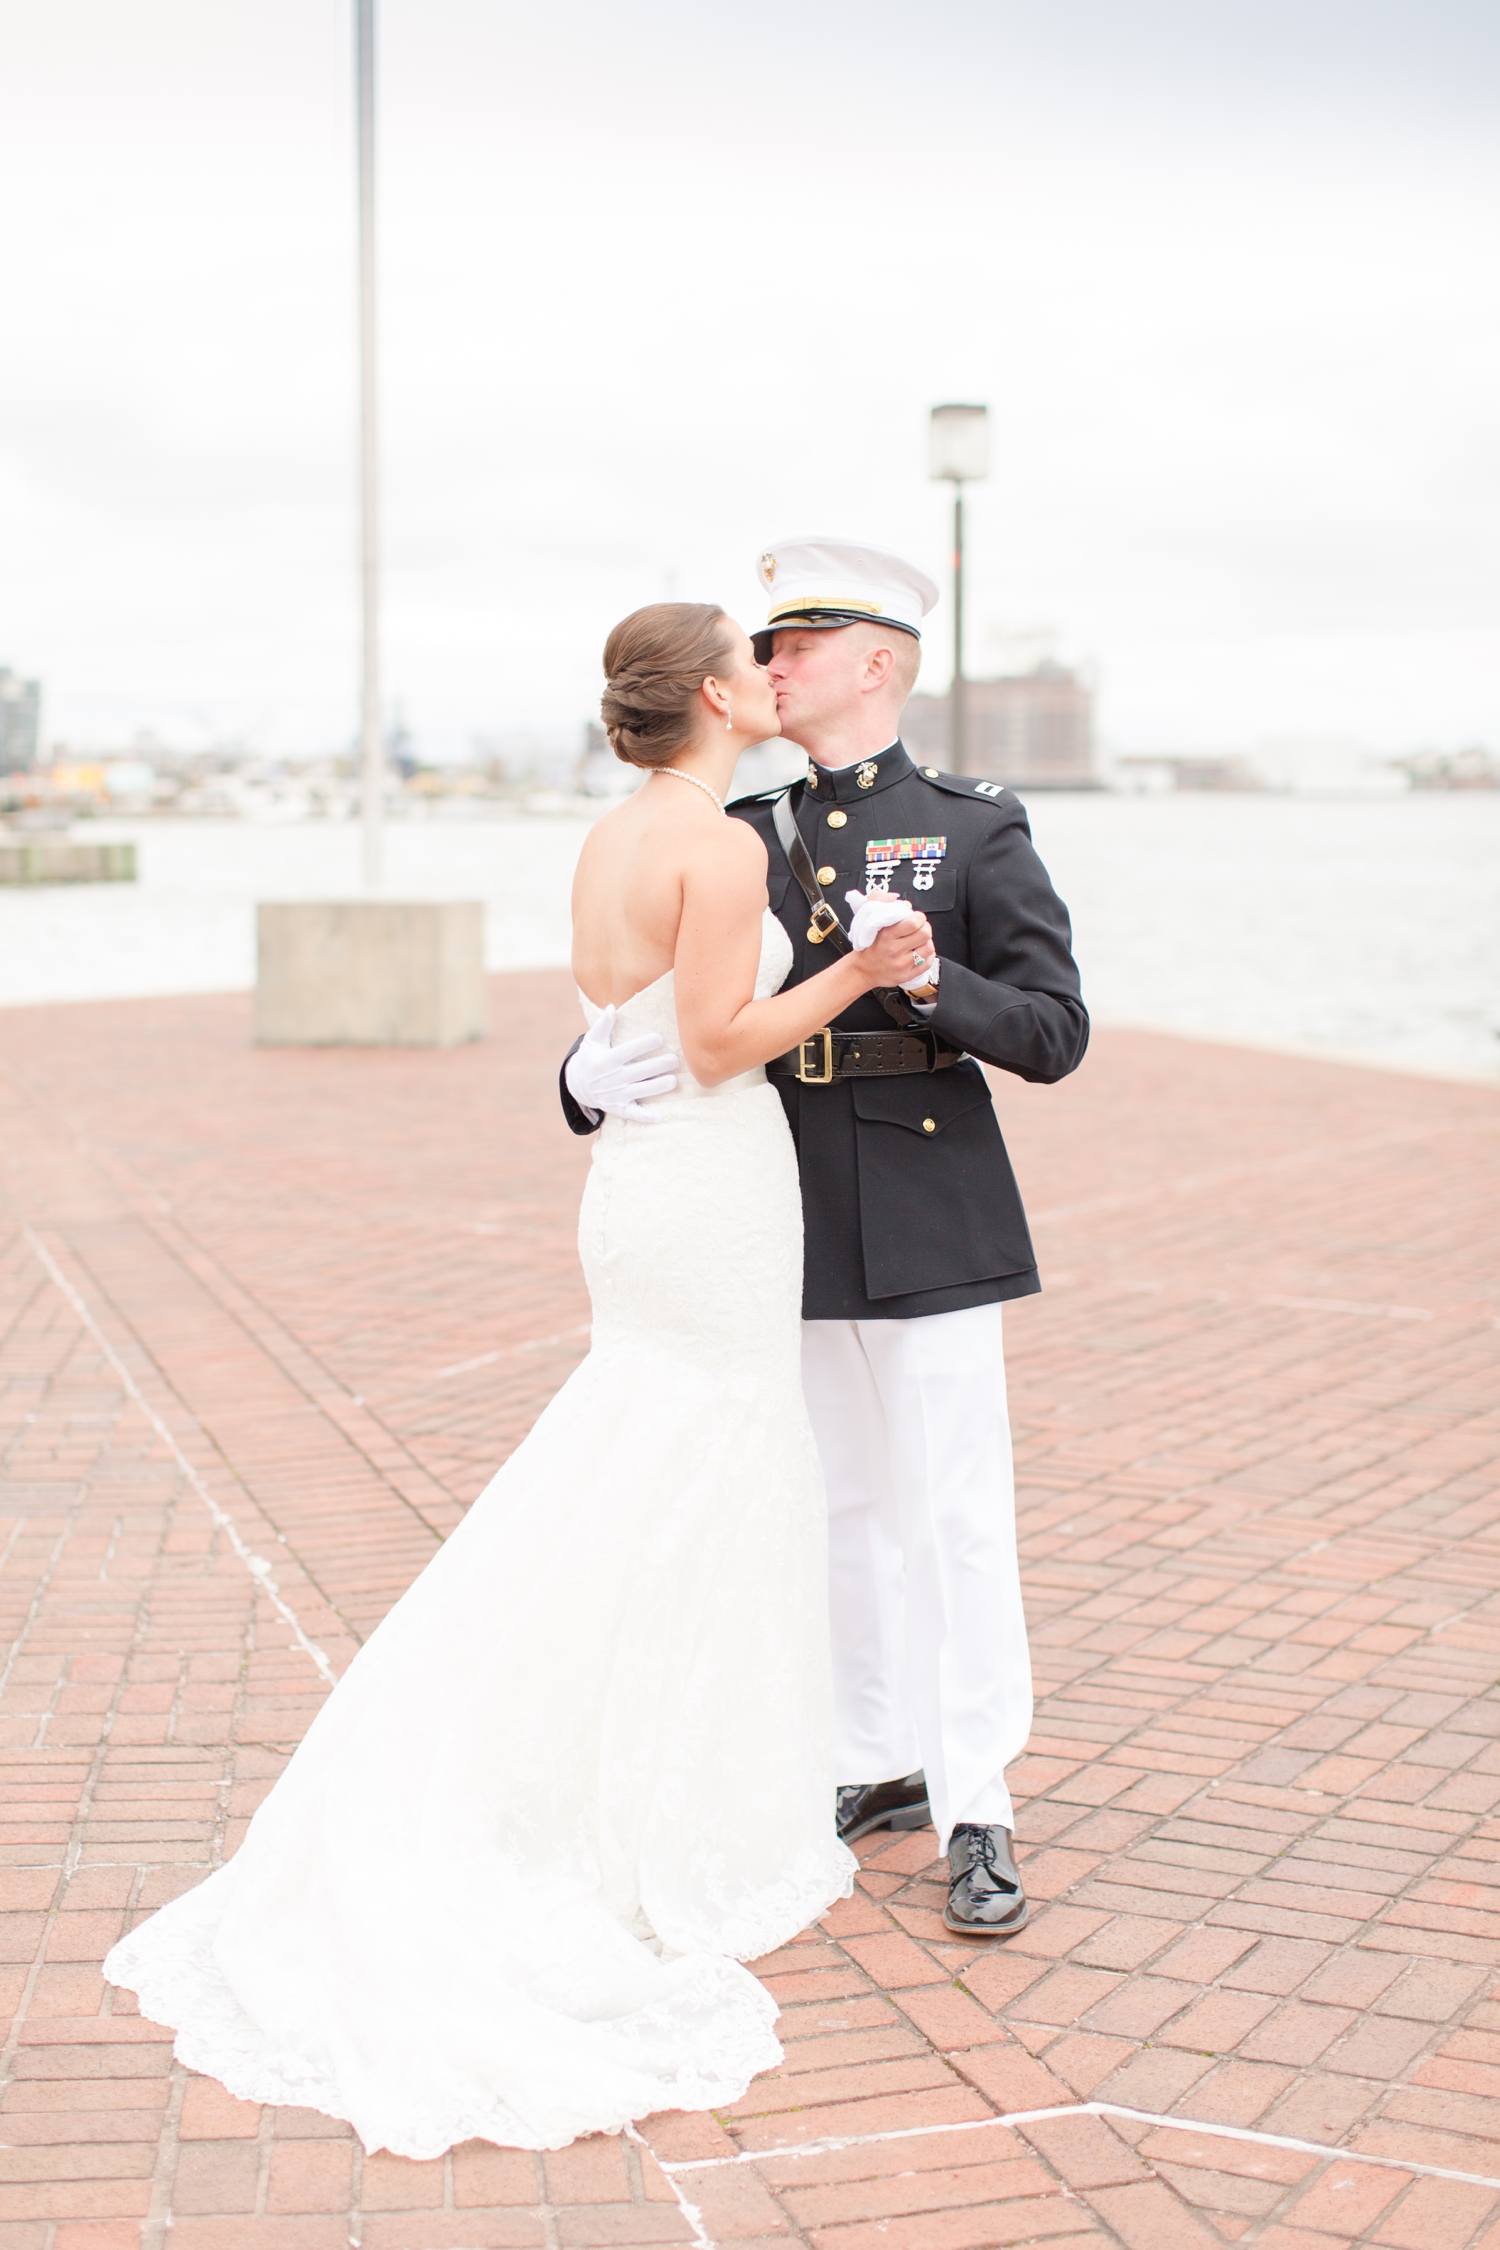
x: 930, y: 1661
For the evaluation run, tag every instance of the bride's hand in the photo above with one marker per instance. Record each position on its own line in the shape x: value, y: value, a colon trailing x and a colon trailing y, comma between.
x: 898, y: 954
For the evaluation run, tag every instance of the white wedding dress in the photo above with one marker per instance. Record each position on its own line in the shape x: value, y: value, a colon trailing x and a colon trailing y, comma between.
x: 583, y: 1770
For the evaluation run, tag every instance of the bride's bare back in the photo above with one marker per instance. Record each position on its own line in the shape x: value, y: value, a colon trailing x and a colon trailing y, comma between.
x: 629, y: 886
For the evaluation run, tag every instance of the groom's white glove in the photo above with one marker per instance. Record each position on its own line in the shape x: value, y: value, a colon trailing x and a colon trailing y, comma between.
x: 876, y: 912
x: 616, y: 1080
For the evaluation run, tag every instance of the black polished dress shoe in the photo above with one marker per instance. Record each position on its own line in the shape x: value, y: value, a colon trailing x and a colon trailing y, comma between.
x: 863, y: 1805
x: 985, y: 1898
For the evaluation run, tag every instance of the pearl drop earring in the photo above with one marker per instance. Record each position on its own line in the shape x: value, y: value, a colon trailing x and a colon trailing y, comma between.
x: 728, y: 718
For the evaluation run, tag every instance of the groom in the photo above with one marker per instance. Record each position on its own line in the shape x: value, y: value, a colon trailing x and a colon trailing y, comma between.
x: 915, y: 1236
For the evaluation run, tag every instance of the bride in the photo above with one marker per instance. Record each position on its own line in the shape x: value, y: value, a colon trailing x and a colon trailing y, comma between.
x: 583, y: 1771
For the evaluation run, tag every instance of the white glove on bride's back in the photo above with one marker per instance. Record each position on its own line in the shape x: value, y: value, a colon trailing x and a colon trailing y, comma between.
x: 616, y: 1080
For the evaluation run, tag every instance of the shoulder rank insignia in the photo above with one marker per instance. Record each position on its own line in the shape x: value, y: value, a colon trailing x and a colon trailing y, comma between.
x: 995, y: 793
x: 884, y: 855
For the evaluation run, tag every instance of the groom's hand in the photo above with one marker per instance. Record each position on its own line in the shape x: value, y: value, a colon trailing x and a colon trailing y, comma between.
x: 616, y: 1080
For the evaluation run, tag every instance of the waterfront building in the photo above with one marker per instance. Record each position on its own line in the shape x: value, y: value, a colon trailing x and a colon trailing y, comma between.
x: 20, y: 721
x: 1031, y: 730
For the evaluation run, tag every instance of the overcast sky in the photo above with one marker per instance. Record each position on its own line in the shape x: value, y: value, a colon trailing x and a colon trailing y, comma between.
x: 664, y: 280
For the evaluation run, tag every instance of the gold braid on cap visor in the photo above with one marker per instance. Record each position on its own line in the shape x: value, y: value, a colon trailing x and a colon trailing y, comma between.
x: 822, y: 601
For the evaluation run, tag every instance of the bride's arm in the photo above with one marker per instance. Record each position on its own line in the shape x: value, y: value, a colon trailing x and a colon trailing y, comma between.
x: 724, y: 1028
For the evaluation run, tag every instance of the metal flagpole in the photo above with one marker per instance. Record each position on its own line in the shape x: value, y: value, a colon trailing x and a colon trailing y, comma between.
x: 372, y: 752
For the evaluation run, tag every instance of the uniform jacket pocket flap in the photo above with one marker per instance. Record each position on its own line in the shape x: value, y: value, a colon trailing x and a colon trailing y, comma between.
x: 940, y: 896
x: 923, y: 1103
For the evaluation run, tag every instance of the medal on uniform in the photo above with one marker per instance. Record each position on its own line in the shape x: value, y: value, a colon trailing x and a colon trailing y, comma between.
x: 926, y: 858
x: 882, y: 858
x: 884, y: 855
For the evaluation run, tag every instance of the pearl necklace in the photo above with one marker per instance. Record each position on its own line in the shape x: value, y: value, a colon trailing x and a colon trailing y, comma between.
x: 677, y: 774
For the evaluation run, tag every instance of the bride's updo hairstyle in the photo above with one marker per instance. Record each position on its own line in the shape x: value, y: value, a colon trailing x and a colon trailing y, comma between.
x: 655, y: 661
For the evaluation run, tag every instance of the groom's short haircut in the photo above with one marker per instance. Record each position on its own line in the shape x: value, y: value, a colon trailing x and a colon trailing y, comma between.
x: 905, y: 648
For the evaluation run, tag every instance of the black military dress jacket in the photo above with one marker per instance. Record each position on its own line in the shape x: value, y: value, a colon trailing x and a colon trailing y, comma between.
x: 909, y: 1202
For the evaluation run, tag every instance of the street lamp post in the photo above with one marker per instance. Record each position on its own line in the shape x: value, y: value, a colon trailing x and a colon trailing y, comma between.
x: 372, y: 752
x: 958, y: 452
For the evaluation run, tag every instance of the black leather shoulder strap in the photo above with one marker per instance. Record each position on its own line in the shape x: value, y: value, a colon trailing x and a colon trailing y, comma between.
x: 799, y: 859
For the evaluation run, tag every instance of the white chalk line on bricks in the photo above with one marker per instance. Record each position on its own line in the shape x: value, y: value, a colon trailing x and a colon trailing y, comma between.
x: 702, y: 2240
x: 257, y: 1565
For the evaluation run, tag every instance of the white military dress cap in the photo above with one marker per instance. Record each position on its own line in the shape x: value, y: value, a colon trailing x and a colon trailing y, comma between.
x: 827, y: 582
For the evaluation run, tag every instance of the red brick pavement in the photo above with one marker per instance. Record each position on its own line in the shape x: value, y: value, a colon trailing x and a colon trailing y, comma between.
x: 268, y: 1321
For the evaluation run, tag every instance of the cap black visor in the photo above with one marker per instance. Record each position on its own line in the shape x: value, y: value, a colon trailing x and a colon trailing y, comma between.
x: 820, y: 621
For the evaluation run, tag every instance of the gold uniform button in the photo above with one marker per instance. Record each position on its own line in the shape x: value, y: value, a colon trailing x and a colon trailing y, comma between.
x: 931, y: 772
x: 826, y: 874
x: 929, y: 1124
x: 837, y: 819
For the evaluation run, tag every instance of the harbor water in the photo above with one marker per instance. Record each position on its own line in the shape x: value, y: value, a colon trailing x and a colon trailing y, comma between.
x: 1364, y: 928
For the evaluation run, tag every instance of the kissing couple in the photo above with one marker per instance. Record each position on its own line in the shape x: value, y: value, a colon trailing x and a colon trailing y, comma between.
x: 748, y: 1591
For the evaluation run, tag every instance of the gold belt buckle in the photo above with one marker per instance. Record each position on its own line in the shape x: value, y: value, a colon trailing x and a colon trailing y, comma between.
x: 823, y: 920
x: 815, y: 1077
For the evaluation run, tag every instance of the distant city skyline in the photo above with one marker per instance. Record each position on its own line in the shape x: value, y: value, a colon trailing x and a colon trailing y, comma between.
x: 662, y: 284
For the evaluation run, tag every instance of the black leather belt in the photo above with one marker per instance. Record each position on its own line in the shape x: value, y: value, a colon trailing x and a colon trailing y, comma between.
x: 829, y: 1056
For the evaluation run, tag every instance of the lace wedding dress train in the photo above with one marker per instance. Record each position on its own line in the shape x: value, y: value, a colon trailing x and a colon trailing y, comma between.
x: 583, y: 1770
